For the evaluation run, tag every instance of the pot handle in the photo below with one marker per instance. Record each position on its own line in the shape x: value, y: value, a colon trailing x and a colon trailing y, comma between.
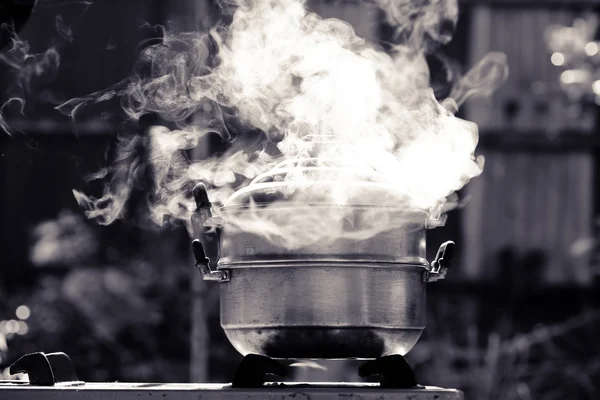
x: 208, y: 238
x: 205, y: 242
x: 442, y: 261
x: 203, y: 264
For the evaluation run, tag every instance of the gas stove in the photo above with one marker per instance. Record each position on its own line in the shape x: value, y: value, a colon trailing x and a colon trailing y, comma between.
x: 367, y: 302
x: 205, y: 391
x: 52, y: 376
x: 193, y: 391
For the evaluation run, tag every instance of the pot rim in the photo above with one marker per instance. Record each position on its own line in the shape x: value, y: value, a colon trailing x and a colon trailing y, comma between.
x: 402, y: 262
x: 284, y: 204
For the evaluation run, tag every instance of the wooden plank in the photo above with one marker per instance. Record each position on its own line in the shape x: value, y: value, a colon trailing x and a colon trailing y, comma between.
x: 199, y: 335
x: 538, y: 141
x: 529, y: 202
x: 580, y: 194
x: 471, y: 214
x: 537, y: 219
x: 482, y: 41
x: 364, y: 17
x: 521, y: 4
x: 520, y: 35
x: 565, y: 4
x: 186, y: 15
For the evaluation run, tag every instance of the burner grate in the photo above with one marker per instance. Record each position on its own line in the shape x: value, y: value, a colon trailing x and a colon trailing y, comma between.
x: 393, y: 371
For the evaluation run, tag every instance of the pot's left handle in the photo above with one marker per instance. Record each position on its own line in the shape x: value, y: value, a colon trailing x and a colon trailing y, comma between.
x: 203, y: 264
x: 203, y: 241
x: 442, y: 261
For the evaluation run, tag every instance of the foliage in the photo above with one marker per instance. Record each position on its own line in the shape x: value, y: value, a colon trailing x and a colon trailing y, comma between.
x: 117, y: 321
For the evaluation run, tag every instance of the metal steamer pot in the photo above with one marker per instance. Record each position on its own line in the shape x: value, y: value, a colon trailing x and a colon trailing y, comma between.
x: 346, y: 299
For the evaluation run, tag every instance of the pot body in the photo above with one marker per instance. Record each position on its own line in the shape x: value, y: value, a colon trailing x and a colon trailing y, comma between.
x: 314, y: 310
x: 343, y: 298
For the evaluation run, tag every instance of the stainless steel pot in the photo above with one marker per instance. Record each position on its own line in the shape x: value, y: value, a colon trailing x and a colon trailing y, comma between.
x: 343, y: 299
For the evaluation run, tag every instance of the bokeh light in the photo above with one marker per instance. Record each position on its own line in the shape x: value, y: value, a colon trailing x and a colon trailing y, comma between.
x: 557, y: 59
x: 596, y: 87
x: 591, y: 49
x: 12, y: 326
x: 23, y: 328
x: 23, y: 312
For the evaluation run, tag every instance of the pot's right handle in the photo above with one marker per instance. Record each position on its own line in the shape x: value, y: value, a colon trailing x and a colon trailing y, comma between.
x: 442, y: 261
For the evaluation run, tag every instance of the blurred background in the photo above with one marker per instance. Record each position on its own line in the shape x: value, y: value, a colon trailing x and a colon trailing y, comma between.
x: 517, y: 317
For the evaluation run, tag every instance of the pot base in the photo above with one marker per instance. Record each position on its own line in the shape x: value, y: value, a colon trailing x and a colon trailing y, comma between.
x: 323, y: 342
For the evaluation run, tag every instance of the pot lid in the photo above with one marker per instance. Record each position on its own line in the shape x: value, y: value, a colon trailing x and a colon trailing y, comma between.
x: 318, y: 183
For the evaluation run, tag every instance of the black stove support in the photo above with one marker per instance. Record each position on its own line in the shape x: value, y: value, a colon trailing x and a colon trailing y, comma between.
x: 394, y: 372
x: 253, y: 370
x: 45, y: 369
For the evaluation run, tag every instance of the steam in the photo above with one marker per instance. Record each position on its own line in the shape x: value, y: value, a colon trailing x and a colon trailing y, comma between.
x: 483, y: 79
x: 421, y: 23
x: 71, y: 107
x: 24, y: 68
x: 342, y: 123
x: 28, y: 69
x: 63, y: 29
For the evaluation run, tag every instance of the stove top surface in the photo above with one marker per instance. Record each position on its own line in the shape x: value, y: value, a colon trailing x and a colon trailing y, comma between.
x: 52, y: 377
x: 16, y: 390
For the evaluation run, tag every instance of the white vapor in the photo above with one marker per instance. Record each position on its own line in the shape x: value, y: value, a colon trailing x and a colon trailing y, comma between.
x: 367, y: 120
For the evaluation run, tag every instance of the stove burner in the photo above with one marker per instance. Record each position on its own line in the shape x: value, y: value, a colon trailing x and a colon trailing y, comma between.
x: 253, y: 370
x: 394, y: 371
x: 45, y: 369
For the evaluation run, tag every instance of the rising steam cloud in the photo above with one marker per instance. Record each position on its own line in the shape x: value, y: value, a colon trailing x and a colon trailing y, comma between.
x: 24, y: 68
x: 340, y: 119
